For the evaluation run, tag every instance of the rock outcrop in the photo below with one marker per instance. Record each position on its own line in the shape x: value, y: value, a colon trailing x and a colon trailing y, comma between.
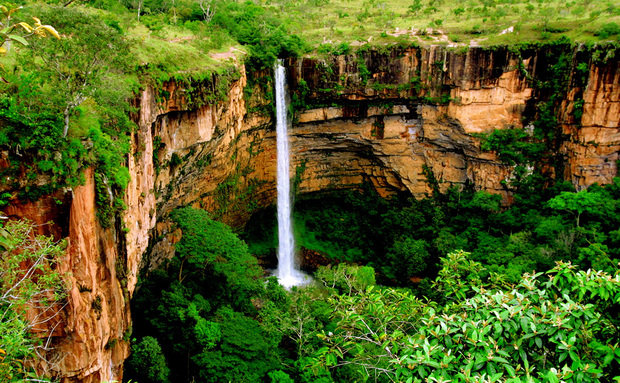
x: 91, y: 333
x: 593, y: 147
x: 390, y: 118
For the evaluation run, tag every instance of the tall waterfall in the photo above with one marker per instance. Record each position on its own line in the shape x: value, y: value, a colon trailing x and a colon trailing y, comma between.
x: 287, y: 274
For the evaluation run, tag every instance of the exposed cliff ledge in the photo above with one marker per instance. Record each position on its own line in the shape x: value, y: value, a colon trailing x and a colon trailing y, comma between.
x: 593, y: 147
x: 448, y: 95
x: 378, y: 117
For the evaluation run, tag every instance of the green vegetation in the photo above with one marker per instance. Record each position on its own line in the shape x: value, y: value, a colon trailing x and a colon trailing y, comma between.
x: 404, y: 238
x: 473, y: 325
x: 338, y: 22
x: 64, y: 108
x: 31, y: 296
x: 558, y: 326
x: 484, y: 314
x: 207, y: 314
x: 19, y: 31
x: 65, y: 102
x: 147, y: 361
x: 202, y: 308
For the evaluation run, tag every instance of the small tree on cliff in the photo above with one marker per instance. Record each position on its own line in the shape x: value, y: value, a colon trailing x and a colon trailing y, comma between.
x: 31, y: 292
x: 593, y: 203
x: 87, y: 64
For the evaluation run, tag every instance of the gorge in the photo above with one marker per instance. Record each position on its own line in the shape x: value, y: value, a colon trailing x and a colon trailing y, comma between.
x: 388, y: 117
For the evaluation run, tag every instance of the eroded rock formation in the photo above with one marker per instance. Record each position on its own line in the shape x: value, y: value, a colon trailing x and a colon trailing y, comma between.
x: 90, y: 334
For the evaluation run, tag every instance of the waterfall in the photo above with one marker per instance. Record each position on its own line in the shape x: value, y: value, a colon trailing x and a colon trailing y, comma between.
x: 287, y: 273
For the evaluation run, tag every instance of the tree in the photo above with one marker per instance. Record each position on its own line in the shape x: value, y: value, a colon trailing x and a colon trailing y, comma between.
x: 200, y: 306
x: 208, y: 9
x: 582, y: 202
x: 31, y: 295
x: 66, y: 107
x: 406, y: 258
x: 88, y: 63
x: 370, y: 327
x: 557, y: 326
x: 147, y: 362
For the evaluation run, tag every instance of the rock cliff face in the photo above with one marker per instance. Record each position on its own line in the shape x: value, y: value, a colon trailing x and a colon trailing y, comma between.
x: 90, y: 334
x: 389, y: 118
x: 593, y: 146
x: 412, y: 109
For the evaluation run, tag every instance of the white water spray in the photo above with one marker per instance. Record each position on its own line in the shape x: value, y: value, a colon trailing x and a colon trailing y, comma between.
x: 287, y: 273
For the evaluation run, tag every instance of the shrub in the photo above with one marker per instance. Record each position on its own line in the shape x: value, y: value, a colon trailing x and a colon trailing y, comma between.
x: 608, y: 30
x: 147, y: 362
x: 408, y: 257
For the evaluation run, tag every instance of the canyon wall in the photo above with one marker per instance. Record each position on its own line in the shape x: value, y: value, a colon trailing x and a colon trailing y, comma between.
x: 389, y: 118
x: 592, y: 147
x: 90, y: 334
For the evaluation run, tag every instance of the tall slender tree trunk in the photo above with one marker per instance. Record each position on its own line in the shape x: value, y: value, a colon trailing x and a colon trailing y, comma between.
x: 67, y: 114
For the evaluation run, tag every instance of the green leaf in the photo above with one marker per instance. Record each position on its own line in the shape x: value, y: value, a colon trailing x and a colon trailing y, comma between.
x: 552, y: 378
x: 500, y: 359
x: 474, y: 336
x: 19, y: 39
x: 524, y: 358
x: 510, y: 370
x: 498, y: 328
x: 330, y: 360
x: 538, y: 341
x: 574, y: 356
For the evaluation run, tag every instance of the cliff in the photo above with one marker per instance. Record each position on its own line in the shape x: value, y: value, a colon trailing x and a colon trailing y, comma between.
x: 381, y: 117
x: 90, y: 338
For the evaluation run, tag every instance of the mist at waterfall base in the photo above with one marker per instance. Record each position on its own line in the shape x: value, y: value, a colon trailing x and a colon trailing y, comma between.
x: 287, y: 272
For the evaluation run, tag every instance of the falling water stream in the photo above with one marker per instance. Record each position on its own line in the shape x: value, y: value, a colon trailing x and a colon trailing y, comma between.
x: 287, y: 273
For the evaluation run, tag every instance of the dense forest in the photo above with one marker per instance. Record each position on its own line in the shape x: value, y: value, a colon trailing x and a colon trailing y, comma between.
x: 401, y: 300
x: 457, y: 286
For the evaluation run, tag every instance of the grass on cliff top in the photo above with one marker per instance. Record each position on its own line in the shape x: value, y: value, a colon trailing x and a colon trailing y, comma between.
x: 188, y: 47
x: 161, y: 47
x: 171, y: 40
x: 469, y: 22
x: 175, y: 51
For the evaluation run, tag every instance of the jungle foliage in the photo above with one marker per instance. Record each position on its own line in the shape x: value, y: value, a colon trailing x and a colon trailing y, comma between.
x: 202, y: 309
x: 559, y: 325
x: 65, y: 103
x: 207, y: 314
x: 403, y: 237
